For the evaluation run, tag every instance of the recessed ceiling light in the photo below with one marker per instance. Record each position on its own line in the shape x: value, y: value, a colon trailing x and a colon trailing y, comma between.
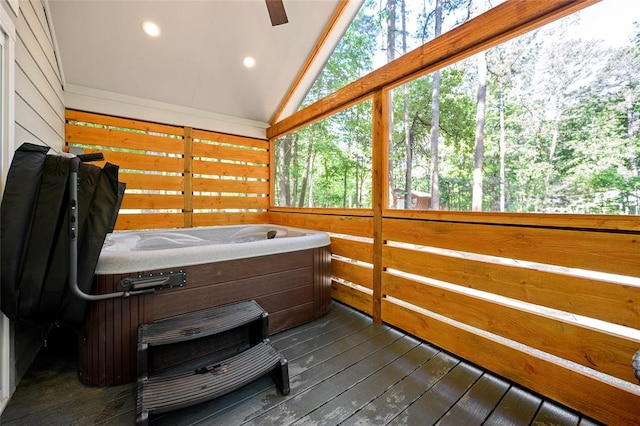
x: 151, y: 28
x: 249, y: 62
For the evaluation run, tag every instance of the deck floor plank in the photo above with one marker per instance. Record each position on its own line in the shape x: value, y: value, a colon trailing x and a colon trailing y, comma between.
x: 344, y: 405
x: 518, y: 407
x: 551, y: 413
x: 438, y: 400
x: 344, y: 369
x: 338, y: 316
x: 306, y: 347
x: 476, y: 404
x: 319, y: 375
x: 314, y: 397
x: 396, y: 399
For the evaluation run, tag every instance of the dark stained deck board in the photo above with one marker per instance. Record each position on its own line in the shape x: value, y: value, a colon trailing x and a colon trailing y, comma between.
x: 343, y: 369
x: 552, y: 413
x: 397, y: 398
x: 477, y: 403
x: 438, y: 400
x: 351, y: 401
x: 315, y: 397
x: 517, y: 407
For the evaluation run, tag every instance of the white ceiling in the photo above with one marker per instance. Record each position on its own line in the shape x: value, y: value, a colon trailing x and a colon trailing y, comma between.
x: 196, y: 62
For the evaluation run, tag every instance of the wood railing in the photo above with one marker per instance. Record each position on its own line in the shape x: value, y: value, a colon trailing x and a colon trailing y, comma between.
x: 177, y: 176
x: 351, y: 247
x: 554, y: 308
x: 551, y: 302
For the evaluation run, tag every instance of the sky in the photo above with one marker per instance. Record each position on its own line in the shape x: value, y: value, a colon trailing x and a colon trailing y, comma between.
x: 611, y: 20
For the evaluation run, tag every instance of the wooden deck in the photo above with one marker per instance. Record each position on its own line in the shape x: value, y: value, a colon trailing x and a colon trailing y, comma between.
x: 343, y: 370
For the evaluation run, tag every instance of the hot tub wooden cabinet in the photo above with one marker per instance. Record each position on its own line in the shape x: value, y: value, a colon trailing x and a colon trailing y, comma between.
x: 293, y: 287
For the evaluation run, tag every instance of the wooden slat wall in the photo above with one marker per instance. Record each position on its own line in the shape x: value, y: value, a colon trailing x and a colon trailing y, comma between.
x: 570, y: 296
x: 545, y: 304
x: 351, y: 246
x: 177, y: 176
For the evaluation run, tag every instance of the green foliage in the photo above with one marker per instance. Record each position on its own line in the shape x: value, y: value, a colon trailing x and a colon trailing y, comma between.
x: 567, y: 111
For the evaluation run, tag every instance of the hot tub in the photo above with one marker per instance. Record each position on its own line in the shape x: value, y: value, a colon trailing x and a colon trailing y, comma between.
x: 286, y: 270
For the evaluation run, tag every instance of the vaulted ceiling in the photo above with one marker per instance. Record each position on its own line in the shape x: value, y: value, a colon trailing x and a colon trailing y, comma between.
x: 197, y: 61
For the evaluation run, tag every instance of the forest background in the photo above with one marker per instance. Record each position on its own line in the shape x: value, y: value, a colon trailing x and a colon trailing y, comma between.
x: 548, y: 122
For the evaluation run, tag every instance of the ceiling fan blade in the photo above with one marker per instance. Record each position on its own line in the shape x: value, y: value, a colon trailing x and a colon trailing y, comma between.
x: 276, y: 12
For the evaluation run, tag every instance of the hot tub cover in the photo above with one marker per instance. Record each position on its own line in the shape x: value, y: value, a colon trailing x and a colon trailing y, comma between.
x: 35, y: 242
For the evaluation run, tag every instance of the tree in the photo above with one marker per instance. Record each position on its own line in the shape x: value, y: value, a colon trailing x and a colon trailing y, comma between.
x: 435, y: 119
x: 481, y: 100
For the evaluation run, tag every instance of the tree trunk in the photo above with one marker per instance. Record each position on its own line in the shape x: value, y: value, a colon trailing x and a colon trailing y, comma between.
x: 478, y: 161
x: 391, y: 54
x: 631, y: 127
x: 284, y: 171
x: 305, y: 177
x: 503, y: 154
x: 310, y: 184
x: 552, y: 154
x: 295, y: 172
x: 435, y: 120
x: 344, y: 189
x: 407, y: 130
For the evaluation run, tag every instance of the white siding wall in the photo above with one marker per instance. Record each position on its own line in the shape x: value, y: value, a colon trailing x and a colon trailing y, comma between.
x: 39, y: 118
x: 39, y: 98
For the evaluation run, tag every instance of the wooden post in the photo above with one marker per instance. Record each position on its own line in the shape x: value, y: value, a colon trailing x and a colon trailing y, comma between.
x: 379, y: 144
x: 188, y: 177
x: 272, y: 174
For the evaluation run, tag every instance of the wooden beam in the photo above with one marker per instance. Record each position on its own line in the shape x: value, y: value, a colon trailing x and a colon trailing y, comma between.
x: 502, y: 23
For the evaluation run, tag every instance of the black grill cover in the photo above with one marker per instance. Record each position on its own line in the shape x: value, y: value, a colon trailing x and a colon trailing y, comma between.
x: 35, y: 243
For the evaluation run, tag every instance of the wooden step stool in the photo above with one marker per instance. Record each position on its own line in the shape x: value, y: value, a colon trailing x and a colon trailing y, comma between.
x: 237, y: 352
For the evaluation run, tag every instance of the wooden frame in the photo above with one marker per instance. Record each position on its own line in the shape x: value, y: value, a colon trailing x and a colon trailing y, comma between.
x: 485, y: 259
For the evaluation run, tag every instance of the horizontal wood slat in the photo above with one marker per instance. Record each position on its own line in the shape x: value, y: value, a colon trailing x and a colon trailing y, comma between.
x: 607, y: 353
x: 228, y: 202
x: 230, y: 139
x: 112, y: 138
x: 547, y: 220
x: 217, y: 168
x: 358, y: 250
x: 583, y: 392
x: 152, y: 201
x: 351, y: 296
x: 149, y: 220
x: 615, y: 253
x: 230, y: 153
x: 212, y: 219
x: 152, y: 181
x: 348, y: 225
x: 230, y: 186
x: 323, y: 211
x: 125, y: 123
x: 352, y: 272
x: 607, y: 301
x: 141, y: 162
